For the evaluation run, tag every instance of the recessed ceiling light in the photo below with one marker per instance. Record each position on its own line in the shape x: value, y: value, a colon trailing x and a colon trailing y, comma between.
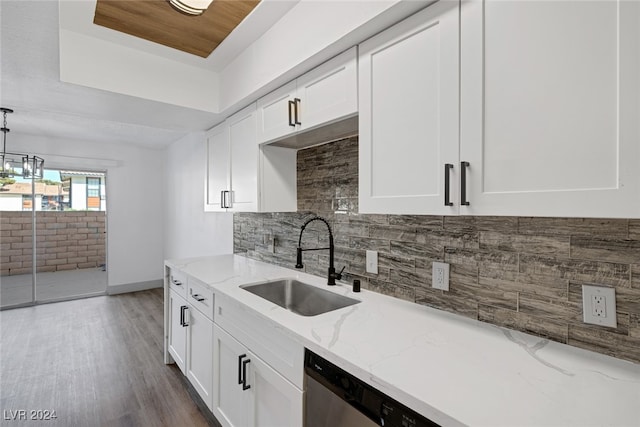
x: 191, y: 7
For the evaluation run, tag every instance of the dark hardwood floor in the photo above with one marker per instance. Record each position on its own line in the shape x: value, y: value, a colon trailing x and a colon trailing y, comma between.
x: 95, y: 362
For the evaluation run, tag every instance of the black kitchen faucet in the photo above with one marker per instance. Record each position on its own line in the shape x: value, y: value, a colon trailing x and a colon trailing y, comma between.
x: 333, y: 276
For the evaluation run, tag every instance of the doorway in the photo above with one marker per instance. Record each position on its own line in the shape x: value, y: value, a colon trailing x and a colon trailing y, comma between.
x: 54, y: 234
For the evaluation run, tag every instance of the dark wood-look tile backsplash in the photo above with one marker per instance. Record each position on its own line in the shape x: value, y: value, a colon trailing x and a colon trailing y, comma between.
x: 519, y: 272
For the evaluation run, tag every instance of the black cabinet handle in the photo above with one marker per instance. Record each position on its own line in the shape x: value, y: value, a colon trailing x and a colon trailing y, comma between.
x: 245, y: 386
x: 298, y: 104
x: 176, y: 282
x: 242, y: 371
x: 240, y: 367
x: 447, y: 184
x: 183, y: 310
x: 224, y: 200
x: 292, y: 104
x: 463, y: 183
x: 198, y: 297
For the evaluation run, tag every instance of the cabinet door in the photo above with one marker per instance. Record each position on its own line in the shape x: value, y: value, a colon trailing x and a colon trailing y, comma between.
x: 200, y: 355
x: 217, y: 172
x: 408, y: 91
x: 230, y: 401
x: 549, y: 107
x: 276, y: 114
x: 275, y: 401
x: 177, y: 332
x: 244, y: 160
x: 328, y: 92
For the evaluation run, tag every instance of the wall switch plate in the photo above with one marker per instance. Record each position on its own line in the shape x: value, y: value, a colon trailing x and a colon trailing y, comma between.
x: 372, y: 262
x: 599, y: 305
x: 440, y: 276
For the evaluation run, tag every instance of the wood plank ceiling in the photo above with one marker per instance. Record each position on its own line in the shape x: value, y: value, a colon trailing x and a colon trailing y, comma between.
x: 159, y: 22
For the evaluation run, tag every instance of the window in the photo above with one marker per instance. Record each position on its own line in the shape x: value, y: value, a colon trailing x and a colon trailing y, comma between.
x: 93, y: 193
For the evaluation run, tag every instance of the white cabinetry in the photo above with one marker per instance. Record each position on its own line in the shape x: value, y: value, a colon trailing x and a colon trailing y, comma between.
x: 177, y: 332
x: 259, y: 370
x: 248, y: 391
x: 547, y: 118
x: 321, y: 96
x: 189, y: 331
x: 550, y: 101
x: 408, y: 88
x: 200, y: 340
x: 232, y: 164
x: 244, y: 177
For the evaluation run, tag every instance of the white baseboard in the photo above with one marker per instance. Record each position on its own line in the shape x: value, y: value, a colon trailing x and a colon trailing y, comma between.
x: 134, y: 287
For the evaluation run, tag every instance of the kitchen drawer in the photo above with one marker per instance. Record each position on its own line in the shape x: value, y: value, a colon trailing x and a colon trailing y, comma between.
x: 201, y: 297
x: 178, y: 282
x: 263, y: 337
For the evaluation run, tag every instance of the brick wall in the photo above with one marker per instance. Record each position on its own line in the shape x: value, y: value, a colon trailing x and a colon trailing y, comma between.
x: 519, y: 272
x: 64, y: 241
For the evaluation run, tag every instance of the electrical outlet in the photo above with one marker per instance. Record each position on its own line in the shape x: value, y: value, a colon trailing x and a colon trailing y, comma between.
x: 372, y: 262
x: 599, y: 305
x: 440, y: 276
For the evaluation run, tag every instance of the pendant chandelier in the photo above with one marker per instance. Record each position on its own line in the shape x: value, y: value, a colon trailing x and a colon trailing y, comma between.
x: 191, y: 7
x: 14, y: 164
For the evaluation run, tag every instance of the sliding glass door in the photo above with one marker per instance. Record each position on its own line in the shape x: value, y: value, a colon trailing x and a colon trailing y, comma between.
x: 53, y: 237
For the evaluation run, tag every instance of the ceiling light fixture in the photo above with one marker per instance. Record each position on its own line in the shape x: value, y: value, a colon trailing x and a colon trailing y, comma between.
x: 191, y: 7
x: 18, y: 164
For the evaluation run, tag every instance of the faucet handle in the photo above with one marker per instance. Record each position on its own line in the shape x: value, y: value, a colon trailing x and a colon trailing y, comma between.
x: 339, y: 275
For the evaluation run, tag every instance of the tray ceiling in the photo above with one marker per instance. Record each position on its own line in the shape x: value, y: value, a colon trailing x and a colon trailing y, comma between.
x: 159, y: 22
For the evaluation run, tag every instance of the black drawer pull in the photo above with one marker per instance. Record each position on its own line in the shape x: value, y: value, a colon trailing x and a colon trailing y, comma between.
x: 198, y: 297
x: 298, y: 105
x: 447, y: 184
x: 463, y: 183
x: 183, y: 310
x: 291, y: 105
x: 245, y: 386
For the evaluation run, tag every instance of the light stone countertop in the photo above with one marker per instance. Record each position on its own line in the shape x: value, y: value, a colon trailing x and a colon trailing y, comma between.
x: 453, y: 370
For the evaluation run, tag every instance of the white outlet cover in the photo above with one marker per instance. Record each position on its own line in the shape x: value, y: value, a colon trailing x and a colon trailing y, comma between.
x: 372, y: 262
x: 440, y: 275
x: 591, y: 294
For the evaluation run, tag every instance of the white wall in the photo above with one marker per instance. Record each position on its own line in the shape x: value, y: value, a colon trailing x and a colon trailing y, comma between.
x: 135, y: 198
x: 97, y: 63
x: 78, y: 192
x: 189, y: 231
x: 11, y: 202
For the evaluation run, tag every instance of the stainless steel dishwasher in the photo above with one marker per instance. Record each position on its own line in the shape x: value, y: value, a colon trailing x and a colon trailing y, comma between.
x: 335, y: 398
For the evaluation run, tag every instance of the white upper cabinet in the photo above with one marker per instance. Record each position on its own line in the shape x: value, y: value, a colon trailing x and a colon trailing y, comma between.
x: 547, y: 118
x: 321, y: 96
x: 408, y: 119
x: 241, y: 176
x: 244, y: 157
x: 276, y: 113
x: 217, y: 171
x: 550, y: 107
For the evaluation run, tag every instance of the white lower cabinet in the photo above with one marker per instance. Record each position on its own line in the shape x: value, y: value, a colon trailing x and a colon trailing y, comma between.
x: 248, y: 392
x: 177, y: 332
x: 200, y: 355
x: 190, y: 340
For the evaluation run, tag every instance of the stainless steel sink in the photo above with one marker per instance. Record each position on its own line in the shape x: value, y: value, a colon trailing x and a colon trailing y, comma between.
x: 299, y: 297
